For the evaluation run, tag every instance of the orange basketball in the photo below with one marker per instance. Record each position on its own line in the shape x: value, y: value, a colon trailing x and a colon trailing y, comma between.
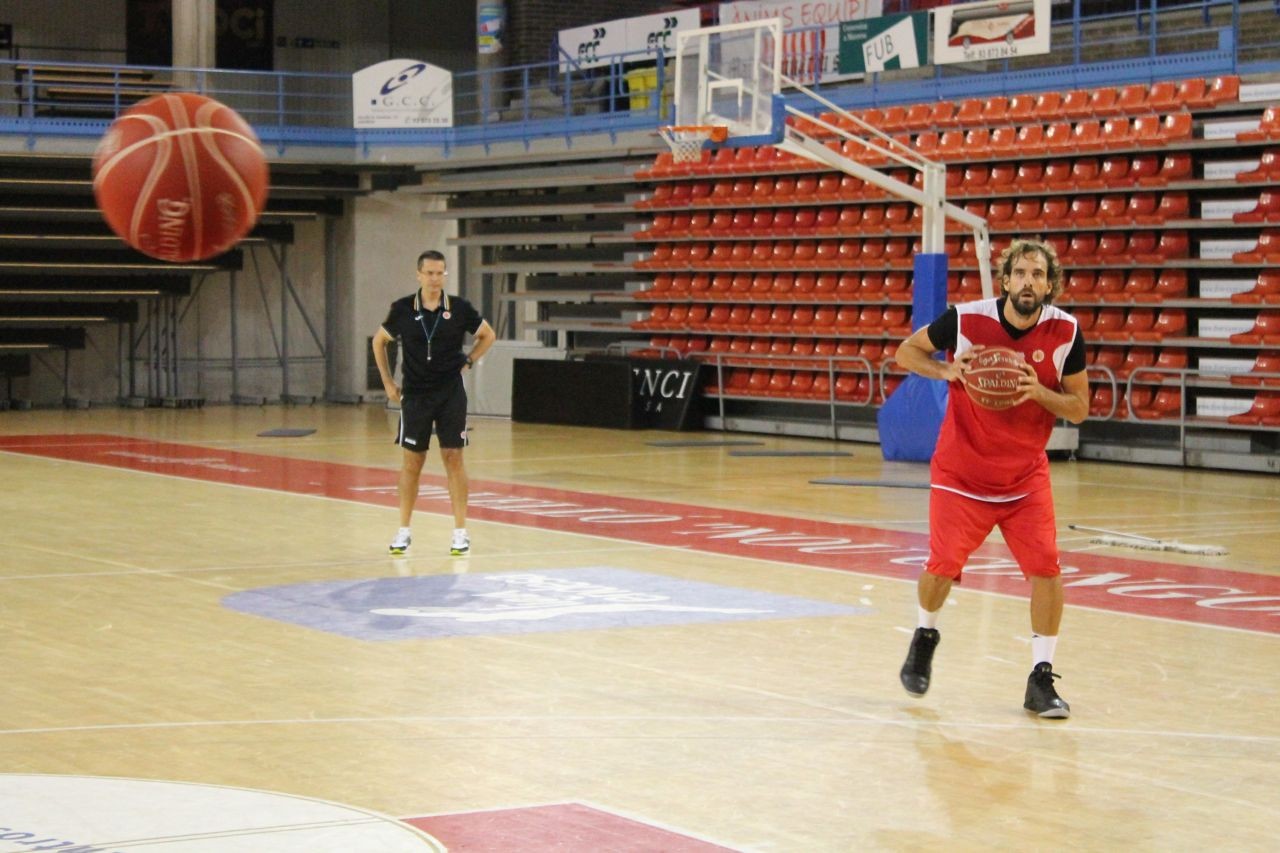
x: 180, y: 177
x: 992, y: 377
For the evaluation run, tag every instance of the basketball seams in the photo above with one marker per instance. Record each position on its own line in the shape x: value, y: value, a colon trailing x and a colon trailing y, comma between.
x: 190, y: 166
x: 159, y: 165
x: 203, y: 116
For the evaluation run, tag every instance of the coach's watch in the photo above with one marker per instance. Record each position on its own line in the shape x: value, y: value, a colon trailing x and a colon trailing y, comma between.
x: 469, y: 362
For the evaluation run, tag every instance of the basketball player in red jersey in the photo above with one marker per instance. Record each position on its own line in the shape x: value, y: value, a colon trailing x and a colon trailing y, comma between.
x: 989, y: 467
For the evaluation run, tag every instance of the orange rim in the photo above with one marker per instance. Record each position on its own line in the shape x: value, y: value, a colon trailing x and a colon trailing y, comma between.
x: 714, y: 132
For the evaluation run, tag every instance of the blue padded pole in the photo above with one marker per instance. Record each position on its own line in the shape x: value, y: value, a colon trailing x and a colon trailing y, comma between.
x: 909, y: 421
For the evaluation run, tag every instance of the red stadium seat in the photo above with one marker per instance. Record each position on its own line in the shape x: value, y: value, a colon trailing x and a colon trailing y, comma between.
x: 1132, y: 99
x: 1265, y: 411
x: 1087, y: 136
x: 1117, y: 132
x: 1140, y: 286
x: 1162, y: 97
x: 1267, y: 362
x: 1103, y: 102
x: 1048, y: 106
x: 1267, y: 209
x: 1075, y: 104
x: 1086, y: 173
x: 1167, y: 404
x: 1172, y: 284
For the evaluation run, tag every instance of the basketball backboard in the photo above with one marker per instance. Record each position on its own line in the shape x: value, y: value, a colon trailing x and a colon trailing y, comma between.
x: 729, y: 76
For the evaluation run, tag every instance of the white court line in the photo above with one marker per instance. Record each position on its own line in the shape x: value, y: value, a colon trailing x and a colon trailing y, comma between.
x: 857, y: 719
x: 687, y: 549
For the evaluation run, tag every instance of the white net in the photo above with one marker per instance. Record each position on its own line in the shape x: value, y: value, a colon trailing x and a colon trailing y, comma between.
x: 686, y: 143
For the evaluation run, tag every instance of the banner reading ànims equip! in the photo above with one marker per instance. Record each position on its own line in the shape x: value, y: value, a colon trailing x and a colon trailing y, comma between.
x: 402, y: 93
x: 999, y: 29
x: 813, y: 51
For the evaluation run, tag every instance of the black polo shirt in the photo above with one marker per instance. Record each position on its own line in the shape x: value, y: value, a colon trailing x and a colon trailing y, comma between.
x: 446, y: 328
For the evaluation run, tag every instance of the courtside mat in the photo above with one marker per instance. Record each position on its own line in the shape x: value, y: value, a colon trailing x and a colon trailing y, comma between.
x: 888, y: 484
x: 789, y: 453
x: 726, y: 443
x: 284, y: 432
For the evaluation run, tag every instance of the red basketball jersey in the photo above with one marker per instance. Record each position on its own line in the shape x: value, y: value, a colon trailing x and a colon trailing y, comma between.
x: 999, y: 455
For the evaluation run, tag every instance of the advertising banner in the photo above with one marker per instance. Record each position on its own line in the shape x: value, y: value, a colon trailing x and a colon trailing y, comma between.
x: 808, y: 54
x: 876, y: 44
x: 999, y: 29
x: 598, y: 44
x: 490, y: 20
x: 402, y: 93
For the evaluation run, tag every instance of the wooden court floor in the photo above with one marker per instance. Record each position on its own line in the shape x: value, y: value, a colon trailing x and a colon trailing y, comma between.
x: 649, y: 647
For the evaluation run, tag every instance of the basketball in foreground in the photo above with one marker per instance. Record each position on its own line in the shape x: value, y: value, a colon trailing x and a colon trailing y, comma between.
x: 992, y: 377
x: 180, y: 177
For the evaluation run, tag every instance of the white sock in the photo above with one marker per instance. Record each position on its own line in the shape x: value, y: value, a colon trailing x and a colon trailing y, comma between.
x: 404, y: 530
x: 927, y: 618
x: 1042, y: 649
x: 459, y: 531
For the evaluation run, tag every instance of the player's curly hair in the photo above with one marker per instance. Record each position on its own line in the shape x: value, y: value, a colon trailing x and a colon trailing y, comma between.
x: 1022, y: 247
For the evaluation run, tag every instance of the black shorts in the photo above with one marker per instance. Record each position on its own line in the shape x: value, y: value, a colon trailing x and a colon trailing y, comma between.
x: 446, y: 409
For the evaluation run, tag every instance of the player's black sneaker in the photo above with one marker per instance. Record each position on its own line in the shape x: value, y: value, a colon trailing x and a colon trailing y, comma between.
x: 1042, y: 699
x: 915, y: 672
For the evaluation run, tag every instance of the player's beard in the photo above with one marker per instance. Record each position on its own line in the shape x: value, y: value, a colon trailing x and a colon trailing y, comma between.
x: 1025, y: 308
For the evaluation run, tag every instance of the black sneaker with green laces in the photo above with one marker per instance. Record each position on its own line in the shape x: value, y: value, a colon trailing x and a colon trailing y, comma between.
x: 1042, y: 699
x: 919, y: 664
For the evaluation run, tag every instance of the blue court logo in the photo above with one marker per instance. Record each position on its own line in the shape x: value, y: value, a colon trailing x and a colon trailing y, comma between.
x: 516, y: 603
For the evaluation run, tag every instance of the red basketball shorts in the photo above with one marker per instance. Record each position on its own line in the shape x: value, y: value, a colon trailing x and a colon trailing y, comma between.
x: 959, y: 524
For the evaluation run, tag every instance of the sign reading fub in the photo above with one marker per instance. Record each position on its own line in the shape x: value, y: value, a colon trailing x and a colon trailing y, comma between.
x: 877, y: 44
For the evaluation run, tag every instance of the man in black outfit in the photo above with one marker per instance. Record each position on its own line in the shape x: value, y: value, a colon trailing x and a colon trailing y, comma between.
x: 430, y: 326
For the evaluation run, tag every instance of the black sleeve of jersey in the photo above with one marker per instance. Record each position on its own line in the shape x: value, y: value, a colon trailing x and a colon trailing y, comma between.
x: 471, y: 319
x: 1075, y: 361
x: 944, y: 331
x: 390, y: 325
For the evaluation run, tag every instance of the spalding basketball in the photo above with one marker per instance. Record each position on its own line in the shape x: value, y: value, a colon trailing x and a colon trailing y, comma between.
x: 180, y: 177
x: 992, y: 377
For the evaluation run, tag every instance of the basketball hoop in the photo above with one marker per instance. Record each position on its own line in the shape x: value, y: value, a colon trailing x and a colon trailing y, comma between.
x: 686, y: 141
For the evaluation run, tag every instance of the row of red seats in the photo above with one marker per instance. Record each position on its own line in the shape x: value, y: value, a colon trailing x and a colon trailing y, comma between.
x: 812, y: 353
x: 1141, y: 285
x: 1062, y: 138
x: 1082, y: 247
x: 1119, y: 171
x: 1045, y: 108
x: 1133, y: 324
x: 802, y: 318
x: 1134, y: 99
x: 1087, y: 286
x: 1056, y: 211
x: 803, y: 385
x: 1148, y: 403
x: 803, y: 286
x: 1122, y: 362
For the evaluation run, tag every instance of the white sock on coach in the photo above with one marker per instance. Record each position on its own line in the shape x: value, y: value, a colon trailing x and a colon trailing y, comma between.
x: 927, y: 618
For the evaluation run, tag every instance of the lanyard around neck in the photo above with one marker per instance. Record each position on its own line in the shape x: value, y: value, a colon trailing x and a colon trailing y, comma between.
x: 441, y: 310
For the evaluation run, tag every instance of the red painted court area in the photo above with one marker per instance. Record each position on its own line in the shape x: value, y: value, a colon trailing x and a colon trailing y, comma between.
x: 567, y: 827
x: 1195, y: 594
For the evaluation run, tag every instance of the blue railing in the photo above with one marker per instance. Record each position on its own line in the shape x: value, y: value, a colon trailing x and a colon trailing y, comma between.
x: 559, y: 98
